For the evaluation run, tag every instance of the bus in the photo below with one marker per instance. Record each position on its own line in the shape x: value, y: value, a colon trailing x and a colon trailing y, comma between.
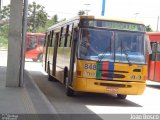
x: 34, y: 46
x: 154, y: 58
x: 82, y: 53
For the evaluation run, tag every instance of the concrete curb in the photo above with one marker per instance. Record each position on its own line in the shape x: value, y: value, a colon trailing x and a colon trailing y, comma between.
x: 48, y: 104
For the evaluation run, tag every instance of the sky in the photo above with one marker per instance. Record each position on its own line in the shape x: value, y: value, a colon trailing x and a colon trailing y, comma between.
x: 146, y: 11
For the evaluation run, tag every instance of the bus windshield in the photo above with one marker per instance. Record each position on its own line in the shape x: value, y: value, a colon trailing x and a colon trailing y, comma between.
x: 111, y: 45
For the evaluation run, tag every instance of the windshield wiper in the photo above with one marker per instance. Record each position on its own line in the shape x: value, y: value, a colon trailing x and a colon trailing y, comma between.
x: 100, y: 58
x: 126, y: 54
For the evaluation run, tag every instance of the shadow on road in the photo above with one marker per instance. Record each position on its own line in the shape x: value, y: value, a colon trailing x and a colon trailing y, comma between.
x: 56, y: 91
x: 154, y: 86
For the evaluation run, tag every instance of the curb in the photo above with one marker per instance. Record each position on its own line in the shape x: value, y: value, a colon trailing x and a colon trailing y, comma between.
x: 49, y: 105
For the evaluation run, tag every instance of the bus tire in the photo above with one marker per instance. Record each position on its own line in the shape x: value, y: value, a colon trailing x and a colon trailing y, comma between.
x: 34, y: 60
x: 40, y: 57
x: 121, y: 96
x: 48, y: 71
x: 69, y: 91
x: 50, y: 78
x: 65, y: 75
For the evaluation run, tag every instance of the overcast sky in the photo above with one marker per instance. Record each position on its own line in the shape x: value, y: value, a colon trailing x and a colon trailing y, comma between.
x: 146, y: 11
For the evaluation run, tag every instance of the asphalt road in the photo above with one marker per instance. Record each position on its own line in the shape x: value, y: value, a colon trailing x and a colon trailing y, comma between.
x: 149, y: 102
x: 86, y: 103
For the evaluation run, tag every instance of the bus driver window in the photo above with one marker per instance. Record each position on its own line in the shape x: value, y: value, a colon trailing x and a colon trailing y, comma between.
x: 85, y: 45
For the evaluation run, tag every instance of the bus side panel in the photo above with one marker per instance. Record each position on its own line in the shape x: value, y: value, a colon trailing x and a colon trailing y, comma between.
x: 63, y: 60
x: 60, y: 64
x: 33, y: 54
x: 50, y: 59
x: 43, y: 60
x: 151, y: 70
x: 157, y: 71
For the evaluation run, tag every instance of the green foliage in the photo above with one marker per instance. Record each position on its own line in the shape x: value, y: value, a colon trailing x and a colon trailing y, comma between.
x: 49, y: 23
x: 81, y: 12
x: 4, y: 36
x: 148, y: 28
x: 37, y: 17
x: 4, y: 30
x: 5, y: 12
x: 3, y: 42
x: 37, y: 21
x: 4, y: 17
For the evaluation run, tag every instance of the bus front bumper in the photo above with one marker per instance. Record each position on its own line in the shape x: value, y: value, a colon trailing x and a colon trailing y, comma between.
x: 110, y: 87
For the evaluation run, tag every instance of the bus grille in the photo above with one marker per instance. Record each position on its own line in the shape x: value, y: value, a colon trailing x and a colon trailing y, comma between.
x: 107, y: 75
x: 106, y: 70
x: 113, y: 85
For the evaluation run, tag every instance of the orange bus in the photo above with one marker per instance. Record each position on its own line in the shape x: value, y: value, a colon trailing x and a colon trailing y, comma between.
x: 34, y: 46
x: 154, y: 58
x: 97, y: 55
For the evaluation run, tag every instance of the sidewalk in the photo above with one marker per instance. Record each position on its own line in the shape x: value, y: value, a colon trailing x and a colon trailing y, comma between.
x: 25, y: 100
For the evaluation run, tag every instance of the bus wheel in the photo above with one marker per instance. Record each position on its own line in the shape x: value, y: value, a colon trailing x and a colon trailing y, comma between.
x: 34, y: 60
x: 48, y: 71
x: 50, y: 78
x: 65, y: 75
x: 121, y: 96
x: 40, y: 57
x: 69, y: 91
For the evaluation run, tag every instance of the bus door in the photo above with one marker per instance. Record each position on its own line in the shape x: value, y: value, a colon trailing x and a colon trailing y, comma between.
x: 154, y: 62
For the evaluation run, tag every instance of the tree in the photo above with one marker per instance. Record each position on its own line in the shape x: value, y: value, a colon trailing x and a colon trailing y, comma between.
x: 37, y: 17
x: 81, y: 12
x: 49, y: 23
x: 5, y: 13
x: 4, y: 26
x: 148, y: 28
x: 55, y: 19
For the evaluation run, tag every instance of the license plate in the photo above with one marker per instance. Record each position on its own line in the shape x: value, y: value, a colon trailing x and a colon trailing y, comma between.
x: 112, y: 89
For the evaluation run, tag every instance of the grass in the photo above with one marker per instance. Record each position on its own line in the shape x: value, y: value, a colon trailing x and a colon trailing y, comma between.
x: 3, y: 42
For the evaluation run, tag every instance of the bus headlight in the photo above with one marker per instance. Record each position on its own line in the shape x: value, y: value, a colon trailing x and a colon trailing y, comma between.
x: 132, y: 77
x: 138, y: 77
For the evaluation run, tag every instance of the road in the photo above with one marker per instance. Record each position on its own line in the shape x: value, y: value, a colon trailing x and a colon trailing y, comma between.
x: 87, y: 103
x: 149, y: 102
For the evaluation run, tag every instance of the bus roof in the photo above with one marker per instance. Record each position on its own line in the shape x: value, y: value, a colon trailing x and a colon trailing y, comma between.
x: 40, y: 34
x: 96, y: 18
x: 153, y: 33
x: 119, y: 20
x: 154, y: 36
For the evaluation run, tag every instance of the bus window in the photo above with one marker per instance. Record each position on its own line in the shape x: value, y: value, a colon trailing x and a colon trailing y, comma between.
x: 66, y: 36
x: 153, y: 55
x: 63, y: 38
x: 51, y: 38
x: 158, y: 52
x: 32, y: 42
x: 41, y: 40
x: 89, y: 48
x: 131, y: 47
x: 158, y: 47
x: 60, y: 39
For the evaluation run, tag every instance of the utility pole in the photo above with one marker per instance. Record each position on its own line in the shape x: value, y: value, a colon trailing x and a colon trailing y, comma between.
x: 103, y: 7
x: 87, y: 8
x: 24, y: 28
x: 34, y: 16
x: 157, y: 23
x: 0, y: 5
x: 136, y: 15
x: 0, y: 8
